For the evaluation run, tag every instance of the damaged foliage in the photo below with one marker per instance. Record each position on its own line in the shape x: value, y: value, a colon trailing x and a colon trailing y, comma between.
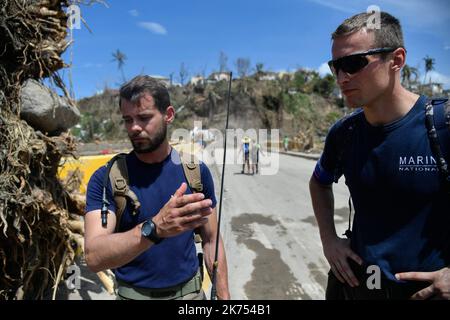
x: 36, y: 240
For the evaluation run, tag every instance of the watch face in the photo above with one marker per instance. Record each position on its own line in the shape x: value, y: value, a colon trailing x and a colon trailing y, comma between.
x: 149, y: 231
x: 147, y: 228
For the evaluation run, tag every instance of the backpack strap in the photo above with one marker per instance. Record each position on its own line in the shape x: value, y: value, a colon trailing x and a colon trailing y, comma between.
x: 441, y: 113
x: 343, y: 139
x: 191, y: 169
x: 437, y: 118
x: 118, y: 177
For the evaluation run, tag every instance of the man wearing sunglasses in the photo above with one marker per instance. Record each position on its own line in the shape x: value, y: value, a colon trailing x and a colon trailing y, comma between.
x: 402, y: 219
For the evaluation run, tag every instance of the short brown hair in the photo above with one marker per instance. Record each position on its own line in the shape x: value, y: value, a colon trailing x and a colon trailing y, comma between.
x: 388, y: 35
x: 134, y: 89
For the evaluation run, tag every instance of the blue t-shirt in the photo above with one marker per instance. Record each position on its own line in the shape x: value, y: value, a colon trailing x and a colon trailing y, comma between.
x: 174, y: 260
x: 402, y: 214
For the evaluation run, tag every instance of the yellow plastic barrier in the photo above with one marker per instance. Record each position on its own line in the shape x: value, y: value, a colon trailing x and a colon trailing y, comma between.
x: 87, y: 166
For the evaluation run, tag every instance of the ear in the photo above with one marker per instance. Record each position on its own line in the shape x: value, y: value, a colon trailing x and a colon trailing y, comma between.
x: 170, y: 114
x: 399, y: 59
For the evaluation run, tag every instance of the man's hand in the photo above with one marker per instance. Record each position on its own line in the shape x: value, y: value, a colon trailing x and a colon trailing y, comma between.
x: 337, y: 251
x: 182, y: 212
x: 440, y: 283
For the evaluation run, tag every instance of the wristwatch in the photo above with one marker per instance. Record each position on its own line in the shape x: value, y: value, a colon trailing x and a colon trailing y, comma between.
x: 149, y: 231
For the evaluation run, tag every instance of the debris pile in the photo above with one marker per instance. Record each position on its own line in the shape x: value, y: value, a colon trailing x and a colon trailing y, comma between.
x: 39, y: 233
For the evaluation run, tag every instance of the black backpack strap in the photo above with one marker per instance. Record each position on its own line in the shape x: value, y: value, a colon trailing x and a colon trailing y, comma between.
x: 343, y: 139
x: 437, y: 118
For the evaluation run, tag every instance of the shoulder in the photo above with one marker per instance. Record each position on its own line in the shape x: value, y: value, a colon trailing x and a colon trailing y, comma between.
x: 206, y: 176
x: 348, y: 120
x: 208, y: 183
x: 94, y: 191
x: 98, y: 176
x: 204, y: 168
x: 345, y: 124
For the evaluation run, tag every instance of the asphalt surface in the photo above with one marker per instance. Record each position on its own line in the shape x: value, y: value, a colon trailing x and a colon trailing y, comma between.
x: 270, y: 233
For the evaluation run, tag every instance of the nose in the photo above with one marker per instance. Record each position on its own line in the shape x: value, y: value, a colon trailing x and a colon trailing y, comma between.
x: 342, y: 77
x: 135, y: 127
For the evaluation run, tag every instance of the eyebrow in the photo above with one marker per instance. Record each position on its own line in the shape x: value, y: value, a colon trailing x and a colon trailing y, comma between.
x: 142, y: 113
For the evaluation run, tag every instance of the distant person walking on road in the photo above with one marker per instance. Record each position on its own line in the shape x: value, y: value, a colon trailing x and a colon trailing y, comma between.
x: 246, y: 153
x: 255, y: 149
x: 286, y: 143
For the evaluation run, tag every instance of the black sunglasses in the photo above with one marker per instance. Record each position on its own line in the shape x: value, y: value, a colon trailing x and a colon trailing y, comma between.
x: 353, y: 63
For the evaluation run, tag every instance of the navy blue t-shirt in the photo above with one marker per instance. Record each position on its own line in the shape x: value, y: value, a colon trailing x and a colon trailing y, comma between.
x: 402, y: 214
x: 174, y: 260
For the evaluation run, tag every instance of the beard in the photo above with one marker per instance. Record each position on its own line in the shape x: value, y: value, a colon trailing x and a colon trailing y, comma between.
x: 151, y: 143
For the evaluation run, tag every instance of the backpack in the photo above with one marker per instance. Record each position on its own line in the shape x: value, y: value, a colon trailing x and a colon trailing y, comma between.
x: 437, y: 120
x: 117, y: 173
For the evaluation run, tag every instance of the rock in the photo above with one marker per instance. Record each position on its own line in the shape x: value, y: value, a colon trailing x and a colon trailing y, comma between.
x: 45, y: 111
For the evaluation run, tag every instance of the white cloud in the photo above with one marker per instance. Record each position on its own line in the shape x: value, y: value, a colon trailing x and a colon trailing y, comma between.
x: 439, y: 78
x: 133, y: 12
x: 153, y: 27
x: 324, y: 69
x: 447, y: 48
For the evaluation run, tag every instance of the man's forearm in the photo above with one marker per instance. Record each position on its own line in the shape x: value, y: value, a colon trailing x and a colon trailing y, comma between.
x: 222, y: 275
x: 114, y: 250
x: 222, y: 268
x: 323, y: 206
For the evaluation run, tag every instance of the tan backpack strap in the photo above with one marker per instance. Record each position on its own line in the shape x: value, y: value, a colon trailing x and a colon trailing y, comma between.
x: 118, y: 177
x: 191, y: 168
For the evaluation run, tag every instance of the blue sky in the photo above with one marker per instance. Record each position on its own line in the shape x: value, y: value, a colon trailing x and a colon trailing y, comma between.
x: 158, y: 35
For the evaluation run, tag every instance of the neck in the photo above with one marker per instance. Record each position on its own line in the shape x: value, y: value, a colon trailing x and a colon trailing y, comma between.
x: 155, y: 156
x: 390, y: 106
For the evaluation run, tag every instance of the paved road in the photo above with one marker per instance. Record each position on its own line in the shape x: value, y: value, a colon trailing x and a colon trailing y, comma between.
x: 270, y: 233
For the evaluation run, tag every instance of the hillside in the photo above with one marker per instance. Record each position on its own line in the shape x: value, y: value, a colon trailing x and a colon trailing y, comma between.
x: 301, y: 109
